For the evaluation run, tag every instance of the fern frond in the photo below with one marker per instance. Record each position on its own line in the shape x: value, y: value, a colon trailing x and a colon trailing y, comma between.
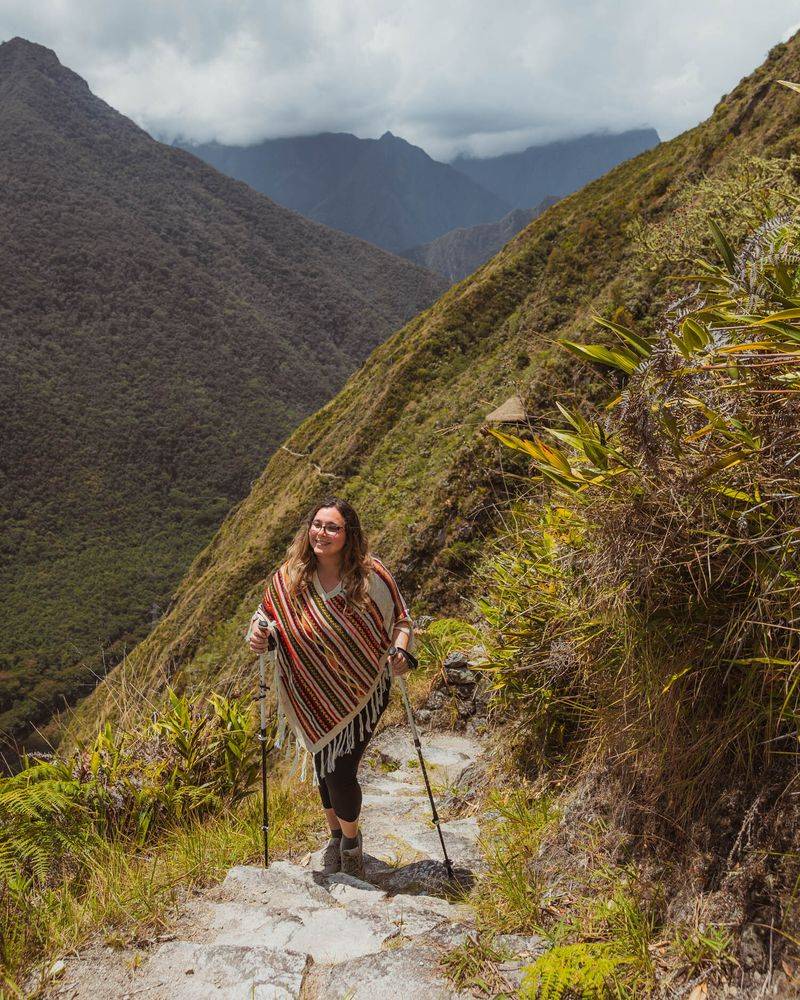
x: 588, y: 971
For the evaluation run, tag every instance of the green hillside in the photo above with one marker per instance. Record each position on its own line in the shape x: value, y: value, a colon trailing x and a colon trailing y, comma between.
x: 164, y: 328
x: 403, y: 439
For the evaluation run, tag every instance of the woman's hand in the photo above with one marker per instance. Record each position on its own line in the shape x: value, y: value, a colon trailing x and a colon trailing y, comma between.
x: 258, y: 641
x: 398, y: 664
x: 258, y: 638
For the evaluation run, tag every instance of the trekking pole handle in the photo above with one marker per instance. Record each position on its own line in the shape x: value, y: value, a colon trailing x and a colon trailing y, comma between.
x: 410, y: 659
x: 264, y: 627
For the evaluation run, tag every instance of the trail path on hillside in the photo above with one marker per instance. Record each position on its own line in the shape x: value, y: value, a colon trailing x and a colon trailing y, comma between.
x: 287, y: 932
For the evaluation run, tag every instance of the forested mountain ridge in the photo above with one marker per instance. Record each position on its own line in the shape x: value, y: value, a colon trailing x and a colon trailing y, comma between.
x: 164, y: 329
x: 385, y: 190
x: 554, y: 168
x: 461, y: 251
x: 394, y: 194
x: 412, y: 458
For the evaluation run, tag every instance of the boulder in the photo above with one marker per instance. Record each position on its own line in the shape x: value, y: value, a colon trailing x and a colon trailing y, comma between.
x: 436, y: 700
x: 455, y: 661
x: 460, y: 676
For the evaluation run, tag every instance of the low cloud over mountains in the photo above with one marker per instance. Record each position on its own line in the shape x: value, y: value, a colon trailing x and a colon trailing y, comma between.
x: 467, y: 78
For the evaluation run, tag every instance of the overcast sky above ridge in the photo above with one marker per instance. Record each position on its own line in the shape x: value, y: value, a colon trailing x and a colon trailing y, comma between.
x: 458, y: 76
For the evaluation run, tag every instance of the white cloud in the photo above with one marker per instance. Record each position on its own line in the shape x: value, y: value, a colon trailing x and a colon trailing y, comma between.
x: 454, y: 75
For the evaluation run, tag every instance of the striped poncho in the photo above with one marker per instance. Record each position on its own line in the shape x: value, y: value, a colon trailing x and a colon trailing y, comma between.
x: 330, y: 664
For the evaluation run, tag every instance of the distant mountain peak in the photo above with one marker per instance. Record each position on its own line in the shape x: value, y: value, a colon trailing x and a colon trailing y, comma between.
x: 18, y: 52
x: 27, y: 67
x: 390, y: 139
x: 386, y: 190
x: 555, y: 168
x: 35, y: 84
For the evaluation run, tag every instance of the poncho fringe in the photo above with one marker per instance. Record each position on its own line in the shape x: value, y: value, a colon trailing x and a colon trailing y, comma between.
x: 343, y: 743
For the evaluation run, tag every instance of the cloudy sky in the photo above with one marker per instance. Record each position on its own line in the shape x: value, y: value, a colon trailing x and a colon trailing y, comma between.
x: 480, y: 76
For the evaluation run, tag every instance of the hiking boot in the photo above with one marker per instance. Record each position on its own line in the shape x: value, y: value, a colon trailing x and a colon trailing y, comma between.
x: 353, y: 860
x: 332, y: 857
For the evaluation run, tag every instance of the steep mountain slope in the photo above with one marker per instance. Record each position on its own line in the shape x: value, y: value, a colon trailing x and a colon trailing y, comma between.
x: 164, y: 328
x: 402, y: 440
x: 383, y: 190
x: 461, y: 251
x: 556, y: 168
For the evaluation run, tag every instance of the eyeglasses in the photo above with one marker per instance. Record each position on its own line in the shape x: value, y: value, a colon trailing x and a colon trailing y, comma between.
x: 329, y: 529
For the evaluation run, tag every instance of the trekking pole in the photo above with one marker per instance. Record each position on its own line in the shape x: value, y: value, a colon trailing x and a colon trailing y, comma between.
x: 413, y: 726
x: 262, y: 739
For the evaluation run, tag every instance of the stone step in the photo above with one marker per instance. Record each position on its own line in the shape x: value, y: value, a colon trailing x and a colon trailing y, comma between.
x: 389, y: 784
x: 283, y: 907
x: 186, y: 970
x: 379, y: 803
x: 240, y: 924
x: 411, y: 915
x: 282, y: 886
x: 334, y: 936
x: 416, y: 838
x: 445, y: 754
x: 409, y: 972
x: 362, y: 915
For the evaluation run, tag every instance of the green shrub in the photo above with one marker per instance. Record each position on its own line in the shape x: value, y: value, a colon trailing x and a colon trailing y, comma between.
x: 442, y: 637
x: 186, y: 762
x: 508, y: 896
x: 702, y: 948
x: 650, y: 606
x: 740, y: 197
x: 113, y: 798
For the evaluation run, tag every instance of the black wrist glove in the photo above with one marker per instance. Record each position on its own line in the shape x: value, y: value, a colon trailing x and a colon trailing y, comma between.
x: 410, y: 659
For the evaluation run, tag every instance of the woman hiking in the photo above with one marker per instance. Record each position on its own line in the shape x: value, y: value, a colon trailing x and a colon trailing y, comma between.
x: 340, y: 620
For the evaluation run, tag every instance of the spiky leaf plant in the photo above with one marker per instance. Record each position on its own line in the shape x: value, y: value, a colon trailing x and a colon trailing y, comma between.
x: 653, y: 607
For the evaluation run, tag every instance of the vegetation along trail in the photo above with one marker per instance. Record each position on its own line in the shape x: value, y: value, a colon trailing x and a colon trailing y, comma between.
x: 288, y: 932
x: 620, y: 664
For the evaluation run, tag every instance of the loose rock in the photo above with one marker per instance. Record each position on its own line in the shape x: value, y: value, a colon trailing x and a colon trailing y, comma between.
x: 460, y: 675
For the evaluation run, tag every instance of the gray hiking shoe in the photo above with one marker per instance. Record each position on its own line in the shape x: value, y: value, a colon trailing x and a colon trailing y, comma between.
x: 353, y: 860
x: 332, y: 857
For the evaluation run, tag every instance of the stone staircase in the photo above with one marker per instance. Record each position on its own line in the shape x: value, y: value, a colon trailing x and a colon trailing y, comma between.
x: 288, y: 932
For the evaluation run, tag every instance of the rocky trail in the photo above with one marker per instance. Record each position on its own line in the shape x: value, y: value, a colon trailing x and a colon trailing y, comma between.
x: 288, y: 932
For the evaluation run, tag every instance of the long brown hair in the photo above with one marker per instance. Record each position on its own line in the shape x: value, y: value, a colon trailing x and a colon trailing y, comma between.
x: 301, y: 560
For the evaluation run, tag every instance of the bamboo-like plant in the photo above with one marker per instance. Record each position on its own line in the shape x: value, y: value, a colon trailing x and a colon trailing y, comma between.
x: 654, y: 605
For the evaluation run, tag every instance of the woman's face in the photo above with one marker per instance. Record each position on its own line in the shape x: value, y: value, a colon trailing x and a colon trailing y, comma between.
x: 327, y: 543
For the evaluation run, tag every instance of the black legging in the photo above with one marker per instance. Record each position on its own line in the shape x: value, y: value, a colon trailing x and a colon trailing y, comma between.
x: 339, y: 789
